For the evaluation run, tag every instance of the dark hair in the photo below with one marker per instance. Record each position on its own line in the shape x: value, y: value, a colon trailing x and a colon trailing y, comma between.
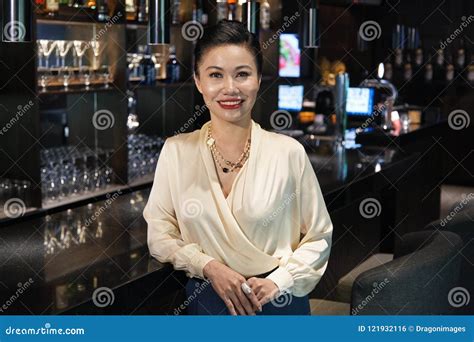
x: 228, y: 32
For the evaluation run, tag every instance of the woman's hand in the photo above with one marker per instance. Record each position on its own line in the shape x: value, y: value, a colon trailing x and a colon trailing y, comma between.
x: 226, y: 282
x: 264, y: 289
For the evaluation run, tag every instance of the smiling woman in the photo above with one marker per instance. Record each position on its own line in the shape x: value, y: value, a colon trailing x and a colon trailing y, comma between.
x: 230, y: 201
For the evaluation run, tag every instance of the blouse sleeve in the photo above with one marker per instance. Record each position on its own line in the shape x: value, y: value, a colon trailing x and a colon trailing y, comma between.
x: 300, y: 273
x: 165, y: 242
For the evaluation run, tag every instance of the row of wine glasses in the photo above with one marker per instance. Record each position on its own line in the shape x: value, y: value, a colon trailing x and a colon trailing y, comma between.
x: 62, y: 71
x: 143, y: 153
x: 69, y: 171
x: 62, y: 48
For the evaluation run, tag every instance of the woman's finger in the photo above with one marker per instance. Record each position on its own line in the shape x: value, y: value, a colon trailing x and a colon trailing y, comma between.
x: 244, y: 300
x: 237, y: 304
x: 230, y: 307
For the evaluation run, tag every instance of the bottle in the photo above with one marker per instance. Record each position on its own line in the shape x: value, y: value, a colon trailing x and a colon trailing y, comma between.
x: 175, y: 14
x: 438, y: 68
x: 449, y: 70
x: 428, y: 73
x: 131, y: 10
x: 142, y: 15
x: 460, y: 58
x: 147, y: 69
x: 221, y: 10
x: 197, y: 11
x: 265, y: 15
x: 52, y: 7
x: 40, y: 7
x: 470, y: 71
x: 398, y: 67
x: 232, y: 9
x: 173, y: 69
x: 388, y: 71
x: 102, y: 10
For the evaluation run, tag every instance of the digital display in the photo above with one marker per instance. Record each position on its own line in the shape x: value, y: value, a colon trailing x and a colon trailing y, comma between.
x: 290, y: 97
x: 290, y: 55
x: 360, y: 101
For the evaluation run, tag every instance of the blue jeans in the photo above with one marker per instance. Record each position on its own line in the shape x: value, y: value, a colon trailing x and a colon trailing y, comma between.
x: 203, y: 300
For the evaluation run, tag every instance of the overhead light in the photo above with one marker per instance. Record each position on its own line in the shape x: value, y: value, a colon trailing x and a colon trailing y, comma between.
x: 159, y: 22
x: 17, y: 21
x: 380, y: 71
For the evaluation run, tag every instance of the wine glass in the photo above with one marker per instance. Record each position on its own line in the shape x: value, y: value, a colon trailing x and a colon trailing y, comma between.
x: 97, y: 49
x: 80, y: 47
x: 46, y: 47
x: 63, y: 47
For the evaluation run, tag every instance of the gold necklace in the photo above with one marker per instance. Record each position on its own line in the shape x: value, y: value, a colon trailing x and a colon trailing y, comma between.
x: 216, y: 155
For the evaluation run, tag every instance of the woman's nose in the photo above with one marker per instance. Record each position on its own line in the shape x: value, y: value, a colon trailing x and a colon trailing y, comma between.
x: 230, y: 86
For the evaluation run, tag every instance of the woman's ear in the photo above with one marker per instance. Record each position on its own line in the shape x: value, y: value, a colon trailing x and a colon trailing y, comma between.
x: 197, y: 82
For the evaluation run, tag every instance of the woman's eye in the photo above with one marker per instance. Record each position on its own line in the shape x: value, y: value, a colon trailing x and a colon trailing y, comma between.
x: 215, y: 75
x: 243, y: 74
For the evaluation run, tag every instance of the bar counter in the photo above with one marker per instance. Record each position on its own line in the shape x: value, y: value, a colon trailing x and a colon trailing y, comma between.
x: 61, y: 262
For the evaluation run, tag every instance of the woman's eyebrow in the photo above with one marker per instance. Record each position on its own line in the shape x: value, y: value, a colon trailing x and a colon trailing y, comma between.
x: 237, y: 68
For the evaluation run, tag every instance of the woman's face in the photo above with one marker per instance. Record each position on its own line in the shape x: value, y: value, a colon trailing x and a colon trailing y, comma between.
x: 229, y: 82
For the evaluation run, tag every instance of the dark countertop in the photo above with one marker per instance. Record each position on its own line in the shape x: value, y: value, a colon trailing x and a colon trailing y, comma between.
x: 67, y: 255
x: 57, y: 268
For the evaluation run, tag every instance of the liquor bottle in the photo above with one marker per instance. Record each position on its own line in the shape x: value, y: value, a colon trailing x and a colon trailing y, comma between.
x: 102, y: 10
x: 388, y: 71
x: 232, y: 9
x: 197, y: 11
x: 428, y: 72
x: 265, y: 15
x: 438, y: 68
x: 173, y: 69
x: 449, y: 69
x: 40, y: 7
x: 407, y: 67
x: 398, y: 67
x: 460, y: 58
x: 222, y: 9
x: 175, y: 14
x: 51, y: 7
x: 147, y: 69
x: 131, y: 10
x: 470, y: 71
x: 142, y: 15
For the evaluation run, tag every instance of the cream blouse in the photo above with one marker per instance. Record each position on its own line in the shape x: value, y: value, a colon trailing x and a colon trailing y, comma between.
x: 274, y: 215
